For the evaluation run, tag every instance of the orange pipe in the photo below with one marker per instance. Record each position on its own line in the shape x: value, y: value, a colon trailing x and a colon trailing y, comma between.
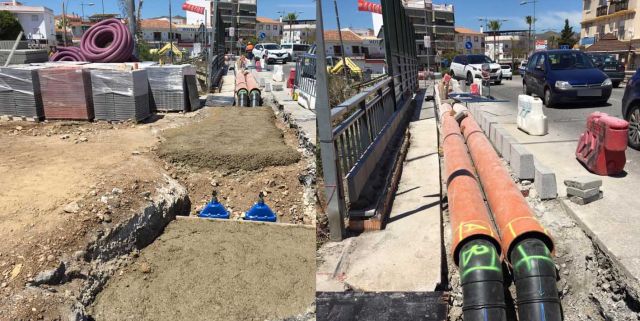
x: 241, y: 81
x: 252, y: 84
x: 512, y: 214
x: 469, y: 216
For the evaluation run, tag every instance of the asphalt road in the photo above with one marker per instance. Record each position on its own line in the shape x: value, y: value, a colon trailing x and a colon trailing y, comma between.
x: 573, y: 116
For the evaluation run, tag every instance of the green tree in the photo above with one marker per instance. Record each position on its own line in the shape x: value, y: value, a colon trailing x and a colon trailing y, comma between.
x: 9, y: 26
x: 529, y: 20
x: 494, y: 26
x: 567, y: 36
x: 290, y: 18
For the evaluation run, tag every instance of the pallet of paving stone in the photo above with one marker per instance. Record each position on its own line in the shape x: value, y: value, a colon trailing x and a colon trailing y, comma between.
x: 66, y: 93
x: 120, y: 95
x: 20, y: 95
x: 169, y: 88
x: 24, y: 56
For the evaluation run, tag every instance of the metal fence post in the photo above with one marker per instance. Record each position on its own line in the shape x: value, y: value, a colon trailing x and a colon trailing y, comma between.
x: 334, y: 190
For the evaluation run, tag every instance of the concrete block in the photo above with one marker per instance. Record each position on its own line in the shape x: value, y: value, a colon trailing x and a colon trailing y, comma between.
x: 521, y: 161
x: 584, y: 193
x: 545, y: 182
x: 583, y: 182
x: 507, y: 141
x: 492, y: 134
x: 500, y: 133
x: 584, y: 201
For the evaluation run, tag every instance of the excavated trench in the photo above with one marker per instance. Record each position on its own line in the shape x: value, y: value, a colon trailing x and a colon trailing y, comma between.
x: 184, y: 268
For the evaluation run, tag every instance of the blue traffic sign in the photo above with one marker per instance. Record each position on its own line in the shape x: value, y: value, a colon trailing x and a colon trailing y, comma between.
x: 564, y: 46
x: 468, y: 45
x: 262, y: 35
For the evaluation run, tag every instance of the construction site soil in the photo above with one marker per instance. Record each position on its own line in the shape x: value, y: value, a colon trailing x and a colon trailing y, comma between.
x: 216, y: 270
x: 75, y: 196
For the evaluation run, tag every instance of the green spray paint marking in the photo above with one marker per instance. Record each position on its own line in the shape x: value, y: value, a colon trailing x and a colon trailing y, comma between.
x: 475, y: 251
x: 526, y: 259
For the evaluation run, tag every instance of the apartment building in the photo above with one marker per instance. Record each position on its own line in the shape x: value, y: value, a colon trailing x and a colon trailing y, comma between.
x: 299, y: 31
x: 238, y: 16
x: 475, y: 38
x: 617, y: 17
x: 269, y: 28
x: 36, y: 21
x: 436, y: 21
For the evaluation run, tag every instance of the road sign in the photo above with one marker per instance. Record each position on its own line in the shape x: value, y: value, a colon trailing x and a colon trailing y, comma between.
x: 427, y: 41
x: 262, y: 35
x: 468, y: 45
x: 232, y: 31
x: 564, y: 47
x: 541, y: 44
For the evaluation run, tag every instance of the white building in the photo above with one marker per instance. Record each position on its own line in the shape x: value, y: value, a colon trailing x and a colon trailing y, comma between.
x: 298, y: 31
x: 270, y: 28
x: 36, y: 21
x: 354, y: 44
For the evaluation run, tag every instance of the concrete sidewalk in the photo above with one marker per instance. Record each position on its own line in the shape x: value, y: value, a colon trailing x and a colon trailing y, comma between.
x: 612, y: 222
x: 406, y: 256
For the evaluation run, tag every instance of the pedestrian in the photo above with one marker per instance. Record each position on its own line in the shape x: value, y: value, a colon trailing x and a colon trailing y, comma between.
x: 249, y: 50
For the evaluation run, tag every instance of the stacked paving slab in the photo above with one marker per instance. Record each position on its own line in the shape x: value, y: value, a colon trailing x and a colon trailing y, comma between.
x: 120, y: 95
x: 584, y: 189
x: 173, y: 88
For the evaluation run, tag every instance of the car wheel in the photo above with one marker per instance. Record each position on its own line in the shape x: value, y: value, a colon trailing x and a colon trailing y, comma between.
x: 616, y: 84
x: 452, y: 74
x: 469, y: 79
x: 525, y: 88
x: 548, y: 98
x: 633, y: 118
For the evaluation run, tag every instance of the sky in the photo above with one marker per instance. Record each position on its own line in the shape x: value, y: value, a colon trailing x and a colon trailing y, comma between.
x: 153, y: 8
x: 550, y: 14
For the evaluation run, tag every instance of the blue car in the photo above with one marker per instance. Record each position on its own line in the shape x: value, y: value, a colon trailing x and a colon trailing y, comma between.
x: 631, y: 109
x: 563, y: 76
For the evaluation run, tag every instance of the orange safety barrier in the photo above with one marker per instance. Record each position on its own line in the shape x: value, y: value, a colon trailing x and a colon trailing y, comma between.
x: 511, y: 212
x: 470, y: 218
x: 601, y: 148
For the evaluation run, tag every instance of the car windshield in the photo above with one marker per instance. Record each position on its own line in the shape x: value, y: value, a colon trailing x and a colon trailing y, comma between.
x: 569, y: 60
x: 272, y: 47
x: 604, y: 59
x: 472, y: 60
x: 287, y: 46
x: 300, y: 47
x: 505, y: 67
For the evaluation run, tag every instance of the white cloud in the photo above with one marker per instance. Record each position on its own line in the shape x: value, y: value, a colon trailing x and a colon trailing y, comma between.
x: 551, y: 20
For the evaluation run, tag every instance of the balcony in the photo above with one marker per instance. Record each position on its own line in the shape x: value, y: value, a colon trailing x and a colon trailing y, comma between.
x: 613, y: 7
x: 602, y: 11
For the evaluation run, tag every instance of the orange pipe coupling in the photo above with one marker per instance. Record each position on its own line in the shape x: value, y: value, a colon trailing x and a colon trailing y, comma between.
x: 513, y: 216
x: 469, y: 216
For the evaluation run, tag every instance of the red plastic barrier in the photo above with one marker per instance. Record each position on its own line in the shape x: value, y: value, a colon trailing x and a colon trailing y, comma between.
x: 193, y: 8
x: 292, y: 78
x: 601, y: 148
x: 475, y: 89
x: 370, y: 7
x: 446, y: 78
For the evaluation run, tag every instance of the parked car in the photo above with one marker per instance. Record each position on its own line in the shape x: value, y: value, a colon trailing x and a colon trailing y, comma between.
x: 565, y: 76
x: 507, y: 73
x: 523, y: 67
x: 272, y: 52
x: 631, y: 109
x: 610, y: 65
x: 295, y: 50
x: 469, y: 67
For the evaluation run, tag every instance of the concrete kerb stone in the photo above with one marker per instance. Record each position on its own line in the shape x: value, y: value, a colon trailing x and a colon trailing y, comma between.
x: 500, y: 134
x: 521, y: 161
x: 545, y: 181
x: 507, y: 141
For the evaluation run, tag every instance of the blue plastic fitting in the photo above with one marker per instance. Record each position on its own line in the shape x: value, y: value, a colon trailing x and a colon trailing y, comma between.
x: 214, y: 209
x: 260, y: 212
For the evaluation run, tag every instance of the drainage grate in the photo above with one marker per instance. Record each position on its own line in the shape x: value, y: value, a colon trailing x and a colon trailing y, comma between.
x: 382, y: 306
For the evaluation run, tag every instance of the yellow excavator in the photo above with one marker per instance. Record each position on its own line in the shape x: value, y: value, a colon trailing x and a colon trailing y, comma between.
x: 163, y: 51
x: 338, y: 67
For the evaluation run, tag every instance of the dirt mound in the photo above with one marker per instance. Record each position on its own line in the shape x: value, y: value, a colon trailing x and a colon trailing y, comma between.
x: 216, y: 270
x: 231, y: 138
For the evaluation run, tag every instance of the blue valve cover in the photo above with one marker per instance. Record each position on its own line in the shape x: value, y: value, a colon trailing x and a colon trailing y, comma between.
x: 260, y: 212
x: 214, y: 210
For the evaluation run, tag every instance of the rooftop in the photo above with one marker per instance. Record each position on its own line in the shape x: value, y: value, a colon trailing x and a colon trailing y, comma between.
x: 467, y: 31
x: 347, y: 35
x: 267, y: 20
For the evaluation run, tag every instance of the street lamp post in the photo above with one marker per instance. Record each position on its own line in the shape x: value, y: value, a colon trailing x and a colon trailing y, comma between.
x: 83, y: 4
x: 525, y: 2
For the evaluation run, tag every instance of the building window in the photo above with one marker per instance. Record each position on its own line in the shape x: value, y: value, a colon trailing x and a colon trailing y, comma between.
x: 587, y: 4
x: 268, y: 27
x: 475, y: 39
x: 468, y: 38
x: 157, y: 36
x: 355, y: 49
x: 275, y: 28
x: 260, y: 27
x: 34, y: 18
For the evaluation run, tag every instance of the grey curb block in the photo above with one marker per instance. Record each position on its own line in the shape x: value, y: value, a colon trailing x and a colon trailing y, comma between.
x: 522, y: 162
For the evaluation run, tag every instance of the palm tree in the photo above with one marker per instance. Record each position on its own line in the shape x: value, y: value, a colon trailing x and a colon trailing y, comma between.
x: 494, y: 26
x: 290, y: 17
x: 529, y: 21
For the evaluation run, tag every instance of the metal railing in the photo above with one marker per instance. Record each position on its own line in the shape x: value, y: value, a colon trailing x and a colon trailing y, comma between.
x: 355, y: 135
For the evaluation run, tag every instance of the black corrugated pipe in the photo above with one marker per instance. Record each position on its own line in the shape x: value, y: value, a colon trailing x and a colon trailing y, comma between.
x: 534, y: 274
x: 482, y: 282
x: 256, y: 100
x: 243, y: 98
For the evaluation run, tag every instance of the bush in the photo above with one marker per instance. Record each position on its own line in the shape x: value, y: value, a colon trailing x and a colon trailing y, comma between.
x: 9, y: 26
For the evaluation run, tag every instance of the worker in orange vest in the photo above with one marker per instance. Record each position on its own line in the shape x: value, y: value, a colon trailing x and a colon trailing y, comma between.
x: 249, y: 50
